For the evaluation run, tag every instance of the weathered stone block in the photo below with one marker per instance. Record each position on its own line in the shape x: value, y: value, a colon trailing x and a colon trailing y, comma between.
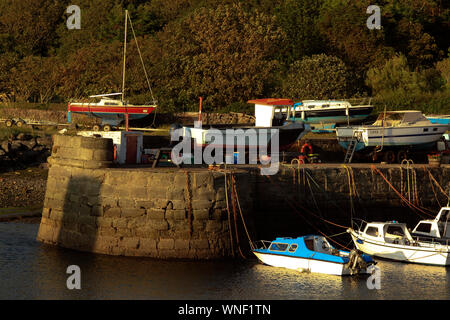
x: 147, y: 245
x: 159, y: 225
x: 166, y: 244
x: 202, y: 214
x: 182, y: 244
x: 128, y: 242
x: 213, y: 226
x: 199, y: 244
x: 201, y: 204
x: 132, y: 212
x: 155, y: 213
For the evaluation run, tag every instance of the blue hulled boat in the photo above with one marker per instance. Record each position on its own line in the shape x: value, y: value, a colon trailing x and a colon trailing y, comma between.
x: 312, y: 253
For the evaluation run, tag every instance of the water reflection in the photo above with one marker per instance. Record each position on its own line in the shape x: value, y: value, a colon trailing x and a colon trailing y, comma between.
x: 31, y: 270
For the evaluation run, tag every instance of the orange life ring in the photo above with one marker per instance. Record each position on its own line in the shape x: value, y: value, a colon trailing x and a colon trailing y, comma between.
x: 306, y: 145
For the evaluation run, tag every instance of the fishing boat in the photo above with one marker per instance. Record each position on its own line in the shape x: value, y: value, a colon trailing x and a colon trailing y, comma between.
x: 438, y: 228
x: 114, y: 112
x: 392, y: 240
x: 269, y: 125
x: 326, y: 115
x: 312, y: 253
x: 393, y: 129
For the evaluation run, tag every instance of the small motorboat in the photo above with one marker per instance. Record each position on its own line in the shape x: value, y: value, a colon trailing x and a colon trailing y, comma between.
x: 312, y: 253
x: 392, y: 240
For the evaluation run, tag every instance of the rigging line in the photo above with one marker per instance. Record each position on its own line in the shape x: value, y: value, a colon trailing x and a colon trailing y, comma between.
x: 434, y: 191
x: 408, y: 203
x: 437, y: 184
x: 324, y: 192
x: 306, y: 220
x: 233, y: 201
x: 142, y: 60
x: 242, y: 217
x: 229, y: 214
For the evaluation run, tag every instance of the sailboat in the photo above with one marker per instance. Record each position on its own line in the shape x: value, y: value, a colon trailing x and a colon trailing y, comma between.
x: 113, y: 111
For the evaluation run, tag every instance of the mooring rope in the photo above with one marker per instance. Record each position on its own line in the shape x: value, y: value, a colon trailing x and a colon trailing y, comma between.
x: 242, y: 216
x: 229, y: 214
x: 306, y: 220
x: 233, y: 186
x: 408, y: 203
x: 188, y: 198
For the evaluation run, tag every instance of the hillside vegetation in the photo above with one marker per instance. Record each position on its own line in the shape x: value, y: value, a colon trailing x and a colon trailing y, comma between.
x: 228, y: 51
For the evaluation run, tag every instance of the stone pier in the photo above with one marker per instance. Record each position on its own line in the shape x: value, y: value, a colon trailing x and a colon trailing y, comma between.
x: 93, y: 205
x: 90, y: 205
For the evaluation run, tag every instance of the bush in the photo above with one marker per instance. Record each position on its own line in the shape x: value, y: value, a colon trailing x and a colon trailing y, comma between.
x: 317, y: 77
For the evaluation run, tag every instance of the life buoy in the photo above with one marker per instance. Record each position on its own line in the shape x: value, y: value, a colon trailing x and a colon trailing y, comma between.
x: 306, y: 145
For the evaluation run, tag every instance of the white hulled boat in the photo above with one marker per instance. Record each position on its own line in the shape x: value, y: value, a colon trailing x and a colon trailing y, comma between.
x: 392, y: 240
x: 393, y: 129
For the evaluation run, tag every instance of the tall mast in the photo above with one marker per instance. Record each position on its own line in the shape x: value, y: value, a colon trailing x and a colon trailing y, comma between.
x: 124, y: 57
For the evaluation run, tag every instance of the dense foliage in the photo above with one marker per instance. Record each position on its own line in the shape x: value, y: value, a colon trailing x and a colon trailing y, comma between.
x: 228, y: 51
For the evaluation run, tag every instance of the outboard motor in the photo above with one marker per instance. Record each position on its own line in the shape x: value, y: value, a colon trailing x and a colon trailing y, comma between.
x: 356, y: 262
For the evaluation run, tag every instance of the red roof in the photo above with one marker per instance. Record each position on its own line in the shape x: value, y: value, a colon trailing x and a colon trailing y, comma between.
x: 272, y: 102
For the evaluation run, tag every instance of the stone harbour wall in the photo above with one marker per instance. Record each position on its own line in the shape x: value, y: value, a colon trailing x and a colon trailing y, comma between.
x: 160, y: 213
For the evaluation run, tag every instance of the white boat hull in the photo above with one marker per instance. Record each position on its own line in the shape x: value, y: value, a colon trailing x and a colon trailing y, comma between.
x: 394, y: 136
x: 433, y: 254
x: 304, y: 265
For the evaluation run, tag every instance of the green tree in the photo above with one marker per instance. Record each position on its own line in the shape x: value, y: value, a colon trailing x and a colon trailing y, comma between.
x: 317, y: 77
x: 31, y: 24
x: 299, y: 20
x: 225, y: 55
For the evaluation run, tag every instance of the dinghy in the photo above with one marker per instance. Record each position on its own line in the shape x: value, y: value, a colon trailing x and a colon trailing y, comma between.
x: 312, y: 253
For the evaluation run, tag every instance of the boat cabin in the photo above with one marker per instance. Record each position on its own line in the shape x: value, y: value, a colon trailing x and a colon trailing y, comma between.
x: 272, y: 112
x: 311, y: 243
x: 389, y: 232
x: 401, y: 118
x: 437, y: 228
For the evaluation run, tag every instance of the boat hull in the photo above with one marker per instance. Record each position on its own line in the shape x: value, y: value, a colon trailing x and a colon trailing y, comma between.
x: 250, y: 138
x: 112, y: 115
x: 432, y: 255
x: 304, y: 264
x: 327, y: 120
x: 419, y: 137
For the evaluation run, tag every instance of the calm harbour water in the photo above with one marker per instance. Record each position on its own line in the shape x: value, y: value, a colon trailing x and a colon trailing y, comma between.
x: 31, y: 270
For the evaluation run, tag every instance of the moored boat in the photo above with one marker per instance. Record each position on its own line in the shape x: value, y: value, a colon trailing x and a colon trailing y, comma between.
x: 114, y: 112
x: 393, y: 129
x: 438, y: 228
x: 392, y: 240
x: 312, y: 253
x: 326, y: 115
x: 270, y: 124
